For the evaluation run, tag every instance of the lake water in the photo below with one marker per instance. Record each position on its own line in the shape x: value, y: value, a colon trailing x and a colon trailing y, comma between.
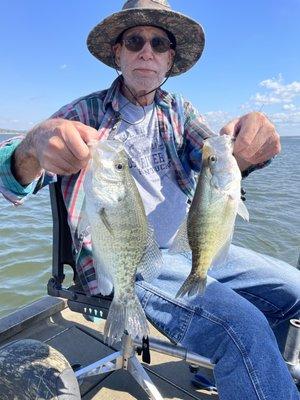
x: 274, y: 228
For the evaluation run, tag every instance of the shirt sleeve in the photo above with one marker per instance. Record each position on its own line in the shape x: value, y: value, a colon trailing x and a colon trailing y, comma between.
x: 255, y: 167
x: 10, y: 188
x: 196, y: 131
x: 87, y: 109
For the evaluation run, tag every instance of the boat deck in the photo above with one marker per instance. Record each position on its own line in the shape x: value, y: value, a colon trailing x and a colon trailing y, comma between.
x: 80, y: 341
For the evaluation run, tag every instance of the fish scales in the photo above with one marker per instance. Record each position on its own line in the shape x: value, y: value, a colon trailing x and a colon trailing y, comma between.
x: 208, y: 229
x: 209, y: 225
x: 120, y: 234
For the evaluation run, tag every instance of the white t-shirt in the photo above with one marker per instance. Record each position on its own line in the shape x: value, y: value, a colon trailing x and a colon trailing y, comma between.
x: 165, y: 204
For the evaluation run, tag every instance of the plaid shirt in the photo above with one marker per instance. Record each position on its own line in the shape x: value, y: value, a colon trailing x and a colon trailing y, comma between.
x: 181, y: 128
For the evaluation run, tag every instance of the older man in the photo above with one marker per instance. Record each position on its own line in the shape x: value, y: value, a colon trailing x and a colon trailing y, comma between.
x: 163, y: 136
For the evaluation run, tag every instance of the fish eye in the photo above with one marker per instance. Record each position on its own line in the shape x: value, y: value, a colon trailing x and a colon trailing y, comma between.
x: 119, y: 167
x: 213, y: 158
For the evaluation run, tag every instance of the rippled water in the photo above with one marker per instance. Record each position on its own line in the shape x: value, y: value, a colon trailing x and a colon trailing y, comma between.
x: 273, y: 203
x: 274, y: 228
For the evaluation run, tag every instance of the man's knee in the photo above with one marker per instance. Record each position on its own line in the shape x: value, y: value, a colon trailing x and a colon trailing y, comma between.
x: 238, y: 333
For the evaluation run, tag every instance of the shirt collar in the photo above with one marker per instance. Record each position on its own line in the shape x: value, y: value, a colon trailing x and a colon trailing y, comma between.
x: 112, y: 95
x: 162, y: 98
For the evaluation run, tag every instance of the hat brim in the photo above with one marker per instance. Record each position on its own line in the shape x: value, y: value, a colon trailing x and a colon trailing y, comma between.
x: 189, y: 35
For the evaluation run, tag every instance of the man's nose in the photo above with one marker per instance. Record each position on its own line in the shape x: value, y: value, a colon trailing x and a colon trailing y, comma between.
x: 147, y: 51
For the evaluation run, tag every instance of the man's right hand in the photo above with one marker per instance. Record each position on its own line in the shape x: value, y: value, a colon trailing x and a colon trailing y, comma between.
x: 56, y: 145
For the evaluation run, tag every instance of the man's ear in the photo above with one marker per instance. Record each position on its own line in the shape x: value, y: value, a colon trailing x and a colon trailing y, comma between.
x: 171, y: 59
x: 116, y: 53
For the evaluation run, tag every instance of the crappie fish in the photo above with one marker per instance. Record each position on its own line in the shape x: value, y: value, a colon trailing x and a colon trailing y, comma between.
x: 209, y: 226
x: 121, y: 238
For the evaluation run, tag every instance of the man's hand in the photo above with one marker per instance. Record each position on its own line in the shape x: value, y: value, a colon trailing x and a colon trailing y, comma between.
x: 56, y: 145
x: 256, y: 139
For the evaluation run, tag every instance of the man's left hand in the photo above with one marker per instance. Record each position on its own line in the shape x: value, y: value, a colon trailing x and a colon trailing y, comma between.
x: 256, y: 139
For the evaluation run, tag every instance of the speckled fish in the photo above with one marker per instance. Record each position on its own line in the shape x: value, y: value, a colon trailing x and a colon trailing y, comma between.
x: 209, y: 226
x: 122, y: 242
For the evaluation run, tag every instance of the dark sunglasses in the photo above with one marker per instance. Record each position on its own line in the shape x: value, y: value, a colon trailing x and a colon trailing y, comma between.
x: 136, y: 42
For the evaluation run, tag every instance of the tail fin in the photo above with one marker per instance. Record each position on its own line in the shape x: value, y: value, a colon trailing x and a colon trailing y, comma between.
x: 125, y: 316
x: 192, y: 285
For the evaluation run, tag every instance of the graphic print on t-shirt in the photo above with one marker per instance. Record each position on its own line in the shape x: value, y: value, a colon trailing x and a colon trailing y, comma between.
x: 149, y: 157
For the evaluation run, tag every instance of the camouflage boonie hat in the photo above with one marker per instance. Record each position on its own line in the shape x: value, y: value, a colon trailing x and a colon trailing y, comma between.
x: 188, y: 33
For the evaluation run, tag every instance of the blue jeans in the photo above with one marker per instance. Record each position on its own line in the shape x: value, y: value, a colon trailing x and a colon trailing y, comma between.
x: 246, y: 301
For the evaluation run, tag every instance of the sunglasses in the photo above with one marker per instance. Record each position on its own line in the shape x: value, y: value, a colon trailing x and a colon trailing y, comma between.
x: 136, y: 42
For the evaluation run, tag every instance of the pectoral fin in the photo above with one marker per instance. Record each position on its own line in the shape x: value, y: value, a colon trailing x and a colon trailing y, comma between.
x: 105, y: 221
x: 242, y: 210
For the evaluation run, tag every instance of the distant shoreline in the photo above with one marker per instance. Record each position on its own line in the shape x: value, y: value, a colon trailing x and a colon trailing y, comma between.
x: 10, y: 131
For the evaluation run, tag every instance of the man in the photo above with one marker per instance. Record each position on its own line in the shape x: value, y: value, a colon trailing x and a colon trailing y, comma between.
x: 163, y: 135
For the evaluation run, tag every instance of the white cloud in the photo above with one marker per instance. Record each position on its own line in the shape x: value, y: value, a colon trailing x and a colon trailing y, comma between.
x: 217, y: 114
x: 63, y: 66
x: 265, y: 99
x: 246, y: 107
x: 281, y: 102
x: 292, y: 118
x: 290, y: 107
x: 217, y: 119
x: 277, y: 92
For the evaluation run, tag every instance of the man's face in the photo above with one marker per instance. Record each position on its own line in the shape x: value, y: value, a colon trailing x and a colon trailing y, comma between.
x: 143, y: 70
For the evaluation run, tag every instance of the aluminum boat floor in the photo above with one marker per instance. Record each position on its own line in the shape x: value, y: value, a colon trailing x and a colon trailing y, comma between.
x: 80, y: 341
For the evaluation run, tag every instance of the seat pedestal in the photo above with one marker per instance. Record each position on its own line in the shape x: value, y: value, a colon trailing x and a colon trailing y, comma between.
x: 123, y: 359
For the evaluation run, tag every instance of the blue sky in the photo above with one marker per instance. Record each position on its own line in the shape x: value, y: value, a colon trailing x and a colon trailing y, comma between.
x: 251, y: 60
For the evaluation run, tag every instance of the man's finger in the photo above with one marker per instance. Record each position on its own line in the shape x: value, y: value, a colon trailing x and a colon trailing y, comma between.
x: 251, y: 132
x: 76, y: 138
x: 266, y: 151
x: 59, y: 166
x: 229, y: 129
x: 248, y: 147
x: 87, y: 132
x: 261, y: 155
